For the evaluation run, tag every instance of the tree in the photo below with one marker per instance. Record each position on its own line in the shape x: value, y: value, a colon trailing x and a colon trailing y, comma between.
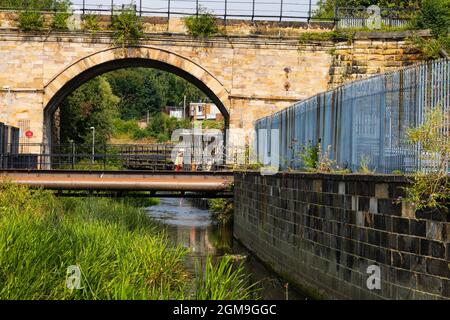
x: 326, y: 8
x: 91, y: 105
x: 143, y: 89
x: 434, y: 15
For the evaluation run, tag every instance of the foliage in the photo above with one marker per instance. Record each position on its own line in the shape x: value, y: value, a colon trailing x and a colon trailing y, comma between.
x: 30, y: 21
x: 213, y: 124
x: 91, y: 105
x: 161, y: 126
x: 91, y: 23
x: 60, y: 20
x: 309, y: 156
x: 431, y: 189
x: 364, y: 165
x: 325, y: 8
x: 325, y: 163
x: 434, y: 15
x: 118, y: 249
x: 224, y: 281
x: 222, y: 210
x: 325, y: 36
x: 127, y: 28
x: 141, y: 90
x: 429, y: 48
x: 47, y: 5
x: 202, y: 25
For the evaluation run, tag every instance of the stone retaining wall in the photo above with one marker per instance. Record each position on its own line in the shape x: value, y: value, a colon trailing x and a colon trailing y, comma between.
x: 322, y: 232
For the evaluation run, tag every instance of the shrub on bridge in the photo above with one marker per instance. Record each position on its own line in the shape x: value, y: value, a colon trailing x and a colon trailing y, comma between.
x: 91, y: 23
x: 127, y: 28
x: 31, y: 21
x: 203, y: 25
x: 60, y: 20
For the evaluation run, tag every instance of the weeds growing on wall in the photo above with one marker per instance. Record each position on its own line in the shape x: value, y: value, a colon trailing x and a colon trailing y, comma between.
x: 127, y: 28
x: 91, y: 23
x: 431, y: 48
x: 59, y: 21
x: 222, y: 210
x: 431, y: 189
x: 31, y: 21
x: 309, y: 156
x: 202, y: 25
x: 325, y: 36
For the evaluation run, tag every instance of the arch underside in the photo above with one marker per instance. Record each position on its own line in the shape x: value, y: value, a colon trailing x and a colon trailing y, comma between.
x: 83, y: 71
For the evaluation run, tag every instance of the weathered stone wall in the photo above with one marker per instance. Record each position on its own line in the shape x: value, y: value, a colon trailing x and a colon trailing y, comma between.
x: 373, y: 53
x: 321, y: 232
x: 251, y: 76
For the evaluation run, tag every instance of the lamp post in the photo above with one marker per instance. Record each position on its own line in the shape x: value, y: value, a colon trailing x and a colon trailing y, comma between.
x: 93, y: 144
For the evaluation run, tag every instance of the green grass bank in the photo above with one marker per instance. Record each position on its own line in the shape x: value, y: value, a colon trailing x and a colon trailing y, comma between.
x: 120, y: 253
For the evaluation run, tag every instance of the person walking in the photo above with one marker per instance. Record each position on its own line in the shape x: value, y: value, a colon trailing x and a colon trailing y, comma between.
x: 179, y: 160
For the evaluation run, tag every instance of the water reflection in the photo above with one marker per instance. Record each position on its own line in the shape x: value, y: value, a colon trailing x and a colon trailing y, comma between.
x: 193, y: 228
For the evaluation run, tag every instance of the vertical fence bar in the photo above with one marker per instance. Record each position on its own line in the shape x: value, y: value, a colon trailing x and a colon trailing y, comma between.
x: 168, y: 10
x: 112, y: 8
x: 196, y: 8
x: 253, y: 10
x: 84, y: 7
x: 140, y: 8
x: 281, y: 10
x: 367, y: 118
x: 225, y: 12
x: 309, y: 11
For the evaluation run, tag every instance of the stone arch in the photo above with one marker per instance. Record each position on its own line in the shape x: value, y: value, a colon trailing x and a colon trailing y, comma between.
x: 86, y: 68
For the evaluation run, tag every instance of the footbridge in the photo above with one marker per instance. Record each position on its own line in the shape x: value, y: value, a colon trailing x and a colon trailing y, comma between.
x: 215, y: 184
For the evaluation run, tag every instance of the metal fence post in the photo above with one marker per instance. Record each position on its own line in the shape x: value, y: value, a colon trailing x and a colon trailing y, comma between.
x: 309, y: 11
x: 225, y: 13
x: 336, y: 18
x: 112, y: 8
x: 196, y: 8
x: 140, y: 8
x: 84, y: 7
x: 253, y: 10
x: 168, y: 9
x: 281, y: 10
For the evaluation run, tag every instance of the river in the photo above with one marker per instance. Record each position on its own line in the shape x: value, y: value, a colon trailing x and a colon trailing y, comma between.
x: 193, y: 228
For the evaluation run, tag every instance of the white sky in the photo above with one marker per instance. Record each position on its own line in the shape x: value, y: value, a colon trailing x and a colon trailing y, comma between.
x: 238, y: 7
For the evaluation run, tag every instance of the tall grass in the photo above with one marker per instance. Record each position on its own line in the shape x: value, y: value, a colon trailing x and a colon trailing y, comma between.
x: 224, y: 280
x: 120, y: 253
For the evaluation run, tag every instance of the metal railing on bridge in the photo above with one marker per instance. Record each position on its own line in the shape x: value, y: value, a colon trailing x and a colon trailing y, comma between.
x: 253, y: 10
x: 153, y: 157
x: 363, y: 121
x: 362, y: 17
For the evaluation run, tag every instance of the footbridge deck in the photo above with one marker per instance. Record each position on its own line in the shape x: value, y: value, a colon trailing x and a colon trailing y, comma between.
x: 131, y: 183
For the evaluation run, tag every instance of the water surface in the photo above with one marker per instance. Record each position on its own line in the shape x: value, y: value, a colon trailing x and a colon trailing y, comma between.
x: 194, y: 228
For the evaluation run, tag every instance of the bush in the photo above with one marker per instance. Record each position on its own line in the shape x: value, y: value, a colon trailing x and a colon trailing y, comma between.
x: 310, y: 156
x: 434, y: 15
x: 60, y: 20
x: 204, y: 25
x: 91, y: 23
x: 222, y: 210
x: 431, y: 189
x: 325, y: 36
x: 127, y: 28
x: 31, y: 20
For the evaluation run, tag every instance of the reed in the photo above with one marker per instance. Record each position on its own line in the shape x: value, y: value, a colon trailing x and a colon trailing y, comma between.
x: 121, y: 254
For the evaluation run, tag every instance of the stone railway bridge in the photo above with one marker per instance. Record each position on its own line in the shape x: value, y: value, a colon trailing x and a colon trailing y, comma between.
x: 248, y: 77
